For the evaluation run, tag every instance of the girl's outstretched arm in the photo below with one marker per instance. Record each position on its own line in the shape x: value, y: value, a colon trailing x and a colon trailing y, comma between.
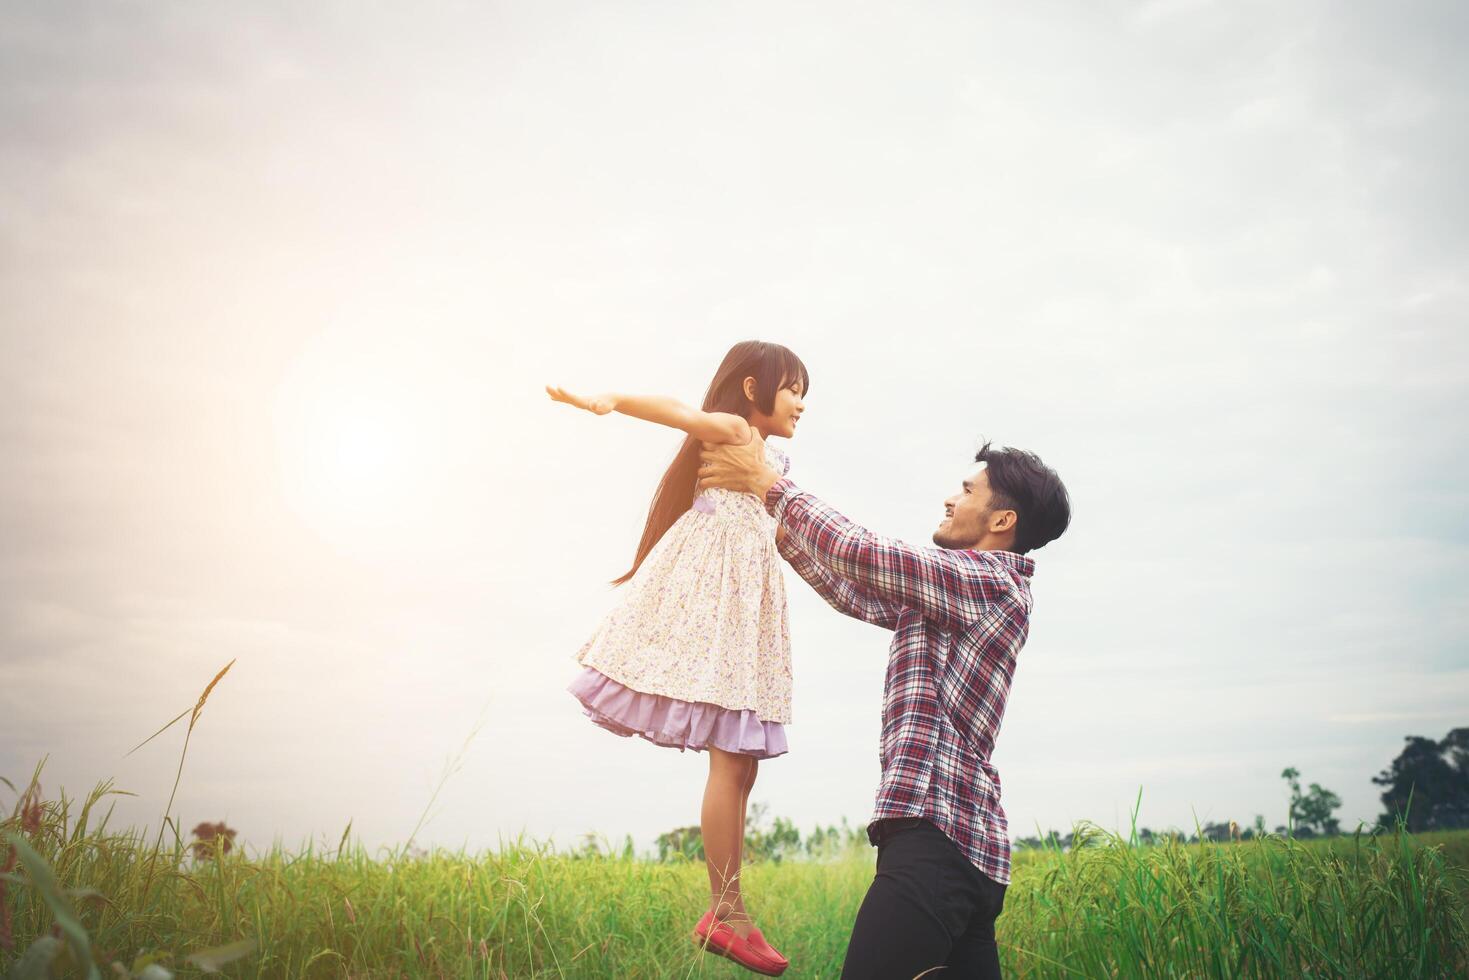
x: 717, y: 427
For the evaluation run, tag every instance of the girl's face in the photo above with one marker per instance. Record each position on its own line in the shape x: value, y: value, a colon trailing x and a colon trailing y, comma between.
x: 784, y: 414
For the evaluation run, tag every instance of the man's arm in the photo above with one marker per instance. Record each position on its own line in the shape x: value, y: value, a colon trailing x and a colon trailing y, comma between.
x: 948, y: 587
x: 840, y: 594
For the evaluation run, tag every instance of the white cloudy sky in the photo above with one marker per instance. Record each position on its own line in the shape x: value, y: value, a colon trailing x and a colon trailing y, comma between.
x: 281, y: 287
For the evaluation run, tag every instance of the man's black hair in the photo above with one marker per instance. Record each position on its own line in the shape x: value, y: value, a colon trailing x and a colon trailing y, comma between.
x: 1019, y: 481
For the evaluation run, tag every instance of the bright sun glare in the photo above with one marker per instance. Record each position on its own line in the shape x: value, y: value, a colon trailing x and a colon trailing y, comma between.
x: 360, y: 445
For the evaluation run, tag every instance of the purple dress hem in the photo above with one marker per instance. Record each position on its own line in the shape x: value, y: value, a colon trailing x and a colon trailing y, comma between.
x: 675, y: 724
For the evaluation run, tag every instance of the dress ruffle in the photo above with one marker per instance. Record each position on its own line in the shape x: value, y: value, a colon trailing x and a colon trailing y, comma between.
x: 675, y: 724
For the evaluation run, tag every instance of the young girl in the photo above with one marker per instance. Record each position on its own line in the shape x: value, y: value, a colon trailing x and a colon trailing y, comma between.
x: 697, y: 655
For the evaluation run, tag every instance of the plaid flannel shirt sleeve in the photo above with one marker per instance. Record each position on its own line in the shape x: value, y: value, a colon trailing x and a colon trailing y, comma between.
x: 948, y: 587
x: 840, y: 594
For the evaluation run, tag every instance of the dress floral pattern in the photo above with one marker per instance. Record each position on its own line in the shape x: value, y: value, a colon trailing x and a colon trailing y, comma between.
x: 704, y: 623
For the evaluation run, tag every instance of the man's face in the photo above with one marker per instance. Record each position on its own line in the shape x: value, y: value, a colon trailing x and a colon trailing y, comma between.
x: 968, y: 516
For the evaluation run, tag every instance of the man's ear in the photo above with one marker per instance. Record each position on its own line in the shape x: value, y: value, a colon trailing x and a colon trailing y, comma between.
x: 750, y: 388
x: 1003, y: 520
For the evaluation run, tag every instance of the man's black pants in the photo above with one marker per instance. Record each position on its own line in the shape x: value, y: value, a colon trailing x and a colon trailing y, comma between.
x: 928, y: 907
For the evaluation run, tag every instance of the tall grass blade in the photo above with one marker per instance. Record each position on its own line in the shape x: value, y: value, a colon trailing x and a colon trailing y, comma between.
x: 35, y: 962
x: 49, y: 888
x: 193, y: 720
x: 160, y: 731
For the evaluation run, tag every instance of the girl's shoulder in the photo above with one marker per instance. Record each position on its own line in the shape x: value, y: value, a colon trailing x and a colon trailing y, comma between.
x: 777, y: 460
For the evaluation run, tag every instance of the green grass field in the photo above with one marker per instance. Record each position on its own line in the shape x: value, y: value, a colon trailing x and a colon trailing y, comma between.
x: 1385, y: 906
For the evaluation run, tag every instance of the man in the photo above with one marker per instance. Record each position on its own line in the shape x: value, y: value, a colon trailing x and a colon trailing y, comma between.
x: 959, y: 615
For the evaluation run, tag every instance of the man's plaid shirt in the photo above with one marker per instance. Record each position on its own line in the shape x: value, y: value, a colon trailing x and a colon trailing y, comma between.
x: 959, y: 620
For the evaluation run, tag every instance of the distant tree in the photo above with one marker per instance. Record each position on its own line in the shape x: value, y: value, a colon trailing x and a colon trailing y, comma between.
x: 773, y: 843
x: 681, y: 842
x: 1216, y: 832
x: 598, y: 847
x: 825, y: 842
x: 1456, y: 744
x: 1310, y: 812
x: 211, y: 840
x: 1435, y: 777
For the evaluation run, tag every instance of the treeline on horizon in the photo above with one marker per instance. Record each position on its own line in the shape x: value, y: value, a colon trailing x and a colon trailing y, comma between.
x: 1426, y: 788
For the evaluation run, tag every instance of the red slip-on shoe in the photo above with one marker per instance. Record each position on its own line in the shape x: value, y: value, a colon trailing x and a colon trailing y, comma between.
x: 757, y: 939
x: 721, y: 940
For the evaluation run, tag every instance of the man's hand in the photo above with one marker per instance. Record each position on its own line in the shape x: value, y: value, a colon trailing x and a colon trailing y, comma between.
x: 739, y: 468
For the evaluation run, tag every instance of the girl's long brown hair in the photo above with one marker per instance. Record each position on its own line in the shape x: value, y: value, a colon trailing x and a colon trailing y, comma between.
x: 773, y: 367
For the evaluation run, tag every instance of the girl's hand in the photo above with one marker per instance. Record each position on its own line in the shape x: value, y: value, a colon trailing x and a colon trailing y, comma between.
x: 596, y: 404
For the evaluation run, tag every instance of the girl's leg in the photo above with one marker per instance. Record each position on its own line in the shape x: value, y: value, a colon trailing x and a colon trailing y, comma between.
x: 744, y: 811
x: 754, y: 769
x: 721, y: 824
x: 745, y: 804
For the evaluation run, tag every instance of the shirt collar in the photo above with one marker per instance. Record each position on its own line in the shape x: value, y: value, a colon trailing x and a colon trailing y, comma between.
x: 1019, y: 563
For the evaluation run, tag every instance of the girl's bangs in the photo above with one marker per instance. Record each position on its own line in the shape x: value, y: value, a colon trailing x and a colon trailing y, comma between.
x: 793, y: 369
